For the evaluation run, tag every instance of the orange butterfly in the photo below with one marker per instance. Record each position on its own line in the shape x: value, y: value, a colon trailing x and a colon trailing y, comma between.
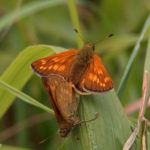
x: 82, y: 68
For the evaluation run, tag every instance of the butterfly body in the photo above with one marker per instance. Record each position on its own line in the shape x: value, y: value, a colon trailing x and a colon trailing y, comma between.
x: 81, y: 63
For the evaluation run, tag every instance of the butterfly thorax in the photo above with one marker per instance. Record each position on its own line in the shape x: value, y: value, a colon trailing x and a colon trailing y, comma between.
x: 81, y: 63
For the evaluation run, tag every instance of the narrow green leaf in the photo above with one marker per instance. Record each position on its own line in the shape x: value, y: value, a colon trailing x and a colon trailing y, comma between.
x: 6, y: 147
x: 108, y: 132
x: 19, y: 72
x: 147, y: 66
x: 25, y: 97
x: 28, y: 9
x: 132, y: 58
x: 148, y: 140
x: 75, y: 21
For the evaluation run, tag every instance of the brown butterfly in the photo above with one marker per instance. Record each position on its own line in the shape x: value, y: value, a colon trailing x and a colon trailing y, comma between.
x: 82, y: 68
x: 64, y: 102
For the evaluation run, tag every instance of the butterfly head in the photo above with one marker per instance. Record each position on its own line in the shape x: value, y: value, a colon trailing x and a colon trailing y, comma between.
x: 64, y: 132
x: 90, y: 47
x: 86, y: 53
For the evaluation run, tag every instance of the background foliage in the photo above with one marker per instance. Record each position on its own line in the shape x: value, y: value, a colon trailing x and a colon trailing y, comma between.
x: 48, y: 22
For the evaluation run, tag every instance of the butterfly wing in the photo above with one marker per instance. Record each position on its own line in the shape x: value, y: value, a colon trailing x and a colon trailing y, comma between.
x: 65, y: 127
x: 51, y: 93
x: 65, y: 99
x: 67, y: 103
x: 55, y: 64
x: 95, y: 79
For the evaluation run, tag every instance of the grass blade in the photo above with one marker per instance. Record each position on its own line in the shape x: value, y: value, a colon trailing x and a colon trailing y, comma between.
x: 147, y: 65
x: 132, y: 58
x: 6, y: 147
x: 75, y: 21
x: 25, y: 97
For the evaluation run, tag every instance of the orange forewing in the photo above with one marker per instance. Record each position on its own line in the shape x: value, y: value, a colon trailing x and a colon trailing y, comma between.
x: 64, y: 102
x: 95, y: 79
x: 55, y: 64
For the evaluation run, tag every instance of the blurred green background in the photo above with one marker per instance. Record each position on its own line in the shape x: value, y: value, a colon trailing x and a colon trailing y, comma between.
x: 51, y: 25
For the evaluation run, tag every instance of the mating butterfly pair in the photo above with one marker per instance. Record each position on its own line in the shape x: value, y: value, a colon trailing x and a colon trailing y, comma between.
x: 62, y: 74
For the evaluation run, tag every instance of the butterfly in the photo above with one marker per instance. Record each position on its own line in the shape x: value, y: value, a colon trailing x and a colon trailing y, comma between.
x: 64, y: 102
x: 63, y: 74
x: 81, y: 67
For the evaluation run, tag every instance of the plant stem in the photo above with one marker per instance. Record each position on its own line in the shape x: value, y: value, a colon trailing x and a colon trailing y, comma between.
x: 75, y: 21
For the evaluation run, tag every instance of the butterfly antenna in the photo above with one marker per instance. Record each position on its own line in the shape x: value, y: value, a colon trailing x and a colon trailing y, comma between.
x: 83, y: 121
x: 77, y: 32
x: 107, y: 37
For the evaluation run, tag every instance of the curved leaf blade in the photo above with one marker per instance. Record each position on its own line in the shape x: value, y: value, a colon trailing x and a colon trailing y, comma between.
x: 7, y: 147
x: 19, y: 72
x: 24, y: 97
x: 109, y: 131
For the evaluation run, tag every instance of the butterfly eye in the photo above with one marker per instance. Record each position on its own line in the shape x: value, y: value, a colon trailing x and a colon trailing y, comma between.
x: 68, y: 130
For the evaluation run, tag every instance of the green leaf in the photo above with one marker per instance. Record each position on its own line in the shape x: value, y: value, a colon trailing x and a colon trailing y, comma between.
x: 108, y: 132
x: 28, y: 10
x: 147, y: 66
x: 19, y: 72
x: 75, y: 22
x: 148, y: 140
x: 132, y: 58
x: 6, y: 147
x: 24, y: 97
